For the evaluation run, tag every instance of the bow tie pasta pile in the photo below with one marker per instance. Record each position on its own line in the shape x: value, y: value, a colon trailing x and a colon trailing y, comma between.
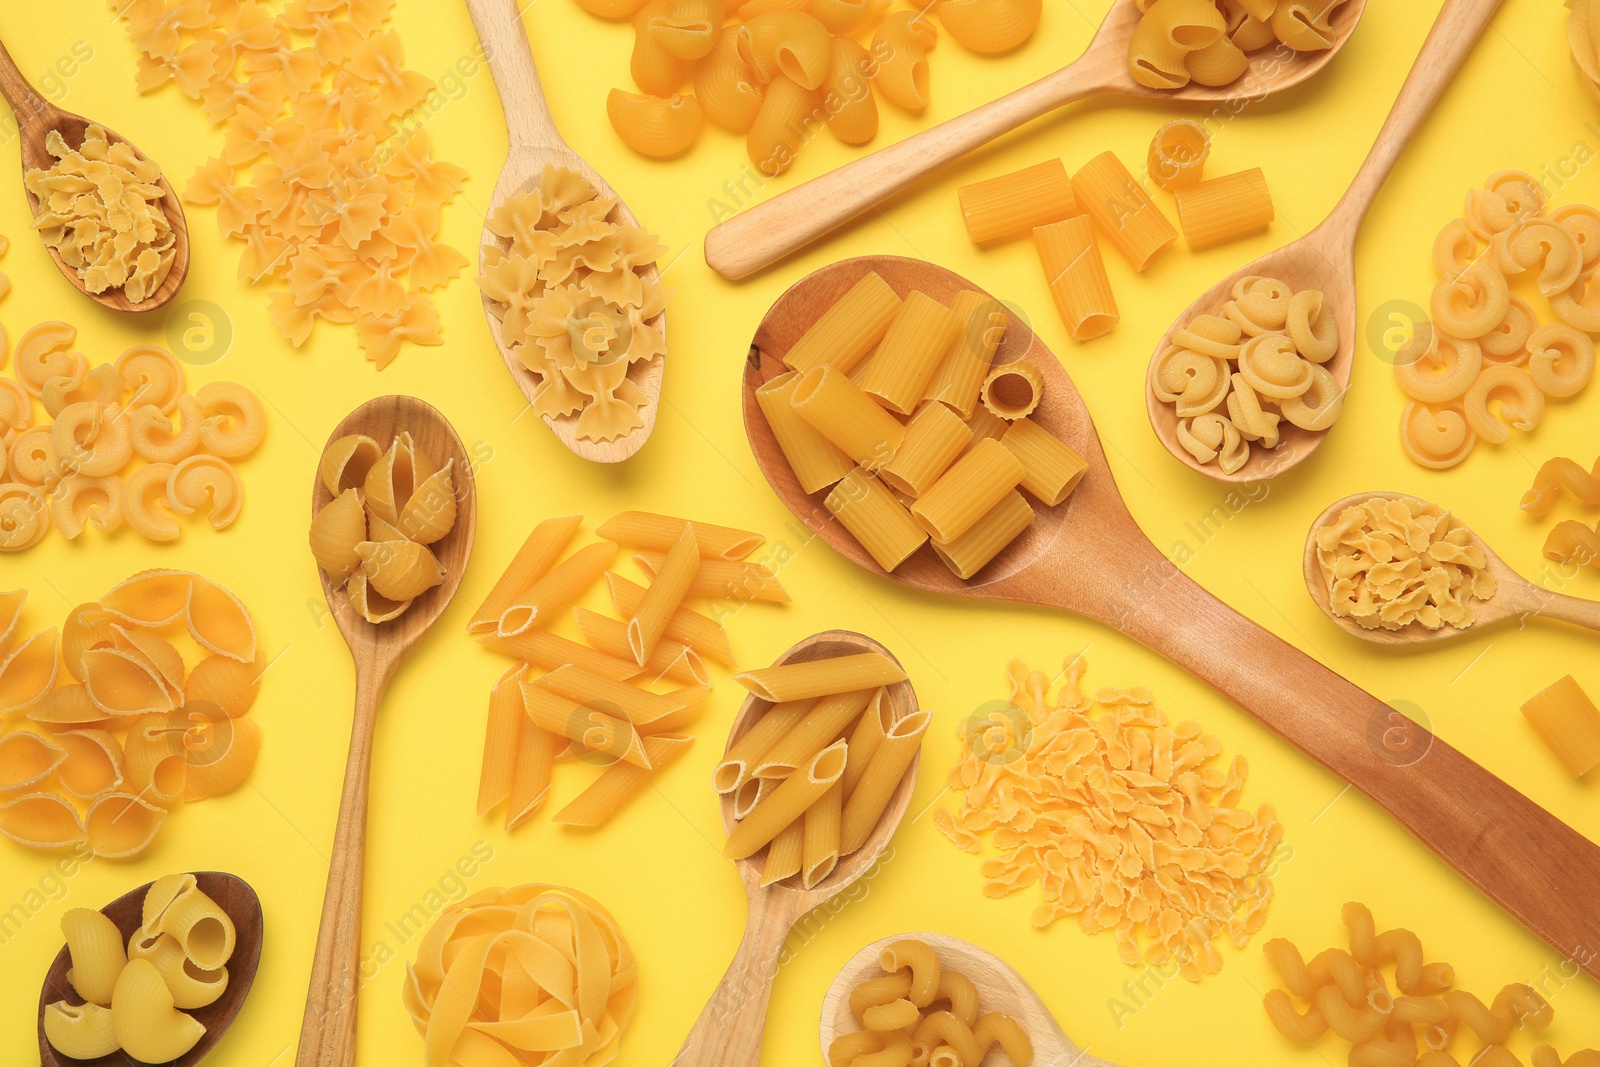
x: 1209, y: 42
x: 120, y: 728
x: 578, y: 299
x: 325, y: 171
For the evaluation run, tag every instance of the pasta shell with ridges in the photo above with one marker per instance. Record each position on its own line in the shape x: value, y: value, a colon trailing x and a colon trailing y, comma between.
x: 121, y: 683
x: 119, y: 825
x: 431, y: 511
x: 26, y: 760
x: 28, y: 671
x: 399, y: 570
x: 225, y: 682
x: 346, y: 462
x: 153, y: 598
x: 336, y: 530
x: 220, y: 623
x: 41, y: 820
x: 371, y: 605
x: 93, y: 763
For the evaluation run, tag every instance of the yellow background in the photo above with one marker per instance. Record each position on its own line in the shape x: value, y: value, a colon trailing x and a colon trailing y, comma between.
x: 1516, y: 104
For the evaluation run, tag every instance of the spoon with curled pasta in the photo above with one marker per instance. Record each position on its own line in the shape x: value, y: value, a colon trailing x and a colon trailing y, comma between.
x: 764, y: 234
x: 1323, y: 261
x: 37, y: 121
x: 1000, y: 989
x: 328, y: 1031
x: 1511, y: 597
x: 729, y: 1030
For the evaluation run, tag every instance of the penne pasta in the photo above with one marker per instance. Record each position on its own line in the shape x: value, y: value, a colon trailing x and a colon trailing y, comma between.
x: 1225, y: 209
x: 719, y: 579
x: 620, y: 783
x: 849, y: 417
x: 785, y: 854
x: 1077, y: 278
x: 968, y: 491
x: 972, y: 551
x: 501, y: 740
x: 1122, y: 210
x: 738, y: 763
x: 876, y: 518
x: 700, y: 632
x: 594, y: 730
x: 935, y: 436
x: 1014, y: 204
x: 658, y: 533
x: 819, y: 728
x: 850, y: 328
x: 820, y: 837
x: 822, y: 677
x: 786, y: 803
x: 884, y: 771
x: 530, y: 783
x: 816, y: 461
x: 671, y: 659
x: 671, y: 582
x: 865, y: 738
x: 596, y: 691
x: 687, y: 703
x: 557, y: 590
x: 899, y: 371
x: 960, y: 375
x: 531, y: 563
x: 548, y: 652
x: 1051, y: 469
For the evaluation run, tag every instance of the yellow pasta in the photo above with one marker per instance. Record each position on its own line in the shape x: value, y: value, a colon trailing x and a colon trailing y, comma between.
x: 592, y: 729
x: 967, y: 491
x: 990, y: 27
x: 689, y: 627
x: 850, y: 328
x: 506, y: 714
x: 1168, y: 32
x: 81, y: 1031
x: 848, y: 416
x: 917, y: 339
x: 901, y: 46
x: 816, y: 461
x: 1016, y: 203
x: 847, y: 92
x: 531, y: 563
x: 838, y: 674
x: 822, y: 723
x: 655, y: 126
x: 786, y: 803
x: 1557, y: 475
x: 690, y: 29
x: 787, y: 110
x: 41, y: 820
x: 725, y: 579
x: 671, y: 659
x: 1051, y: 469
x: 1565, y: 717
x: 725, y: 86
x: 1224, y: 209
x: 934, y: 438
x: 1178, y: 154
x: 665, y: 595
x: 560, y: 587
x: 26, y: 760
x: 875, y: 518
x: 820, y: 841
x: 658, y: 533
x: 960, y: 374
x: 884, y: 771
x: 1120, y: 207
x: 1002, y: 524
x: 785, y: 854
x: 744, y: 754
x: 97, y: 952
x: 1077, y: 278
x: 655, y: 68
x: 620, y: 782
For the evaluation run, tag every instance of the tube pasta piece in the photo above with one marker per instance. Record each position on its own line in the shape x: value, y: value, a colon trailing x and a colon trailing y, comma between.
x: 787, y: 110
x: 155, y: 765
x: 923, y: 963
x: 1014, y: 204
x: 191, y: 986
x: 1077, y: 277
x: 853, y: 110
x: 670, y: 659
x: 725, y: 86
x: 1013, y: 391
x: 92, y: 763
x: 865, y: 738
x: 906, y: 38
x: 875, y: 517
x: 532, y: 562
x: 934, y: 438
x: 620, y: 783
x: 1521, y: 402
x: 820, y: 837
x: 1558, y: 475
x: 658, y: 533
x: 847, y: 416
x: 654, y: 67
x: 827, y: 720
x: 549, y: 651
x: 671, y: 582
x: 785, y: 855
x: 960, y: 375
x: 560, y: 587
x: 148, y: 1025
x: 506, y: 715
x: 920, y: 334
x: 850, y: 328
x: 988, y: 537
x: 786, y: 803
x: 1178, y: 154
x: 816, y: 461
x: 655, y: 126
x: 1224, y: 209
x: 690, y: 30
x: 98, y: 955
x: 744, y: 753
x: 1165, y: 36
x: 822, y: 677
x: 971, y: 488
x: 1560, y: 359
x: 80, y: 1031
x: 28, y: 671
x: 530, y: 783
x: 990, y: 27
x: 792, y: 44
x: 1122, y: 210
x: 1566, y: 719
x: 721, y: 579
x: 700, y: 632
x: 884, y: 772
x: 591, y: 728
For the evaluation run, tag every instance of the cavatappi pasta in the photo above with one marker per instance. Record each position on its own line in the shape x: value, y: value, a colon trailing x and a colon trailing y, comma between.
x: 593, y: 702
x: 1123, y: 820
x: 934, y: 1010
x: 1484, y: 364
x: 779, y: 71
x: 324, y: 168
x: 1391, y: 1007
x: 1570, y: 541
x: 575, y: 301
x: 1560, y: 475
x: 135, y: 997
x: 136, y: 704
x: 121, y: 443
x: 1391, y: 562
x: 1567, y: 720
x: 895, y: 415
x: 824, y: 753
x: 1234, y: 378
x: 1208, y: 41
x: 534, y: 974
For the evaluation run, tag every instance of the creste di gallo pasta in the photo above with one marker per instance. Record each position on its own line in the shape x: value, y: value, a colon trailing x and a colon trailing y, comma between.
x: 1208, y: 42
x: 576, y: 301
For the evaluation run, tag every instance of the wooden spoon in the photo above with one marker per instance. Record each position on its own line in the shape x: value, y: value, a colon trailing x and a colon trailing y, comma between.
x: 999, y: 989
x: 764, y: 234
x: 328, y: 1031
x: 1516, y: 597
x: 36, y: 117
x: 235, y: 897
x: 535, y: 144
x: 1325, y: 258
x: 729, y: 1030
x: 1088, y: 556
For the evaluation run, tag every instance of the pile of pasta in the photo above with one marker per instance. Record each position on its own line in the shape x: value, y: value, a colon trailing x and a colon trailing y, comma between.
x: 372, y: 539
x: 1262, y: 361
x: 1583, y: 26
x: 1124, y: 821
x: 812, y: 772
x: 100, y: 208
x: 70, y: 471
x: 536, y: 974
x: 1485, y: 364
x: 894, y: 404
x: 1390, y: 562
x: 119, y: 728
x: 897, y: 1014
x: 1208, y: 42
x: 589, y: 701
x: 779, y: 70
x: 136, y: 997
x: 1350, y: 994
x: 326, y: 171
x: 578, y: 300
x: 1569, y: 541
x: 1567, y: 720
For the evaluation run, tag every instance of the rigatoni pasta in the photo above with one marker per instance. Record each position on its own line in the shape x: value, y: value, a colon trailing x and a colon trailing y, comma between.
x: 1223, y: 209
x: 918, y: 337
x: 850, y: 328
x: 1014, y: 204
x: 1122, y: 210
x: 1077, y: 278
x: 875, y: 517
x: 960, y: 375
x: 816, y: 461
x: 1565, y: 717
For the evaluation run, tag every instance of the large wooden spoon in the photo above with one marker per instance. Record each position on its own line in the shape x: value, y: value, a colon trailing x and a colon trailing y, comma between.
x: 535, y: 144
x: 1088, y: 556
x: 729, y: 1030
x: 1325, y: 258
x: 328, y: 1031
x: 1516, y: 597
x: 999, y: 989
x: 36, y: 117
x: 235, y: 897
x: 764, y: 234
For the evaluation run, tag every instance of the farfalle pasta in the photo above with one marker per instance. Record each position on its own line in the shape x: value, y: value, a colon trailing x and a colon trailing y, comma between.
x: 117, y: 729
x: 576, y: 301
x: 1208, y: 42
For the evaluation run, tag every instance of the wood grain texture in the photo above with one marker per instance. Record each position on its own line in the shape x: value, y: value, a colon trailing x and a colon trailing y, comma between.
x: 1088, y: 556
x: 534, y: 144
x: 729, y: 1030
x: 764, y: 234
x: 235, y: 897
x: 999, y: 989
x: 328, y: 1030
x: 36, y: 117
x: 1516, y: 598
x: 1325, y: 258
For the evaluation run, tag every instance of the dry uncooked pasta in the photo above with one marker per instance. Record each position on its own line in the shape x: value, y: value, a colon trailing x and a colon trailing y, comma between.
x: 573, y: 300
x: 125, y: 712
x: 1391, y: 562
x: 1123, y: 820
x: 1582, y: 22
x: 325, y: 168
x: 1208, y: 41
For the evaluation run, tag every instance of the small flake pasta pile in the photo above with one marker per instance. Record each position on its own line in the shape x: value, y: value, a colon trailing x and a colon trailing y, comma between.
x: 1124, y: 821
x: 74, y: 471
x: 120, y: 725
x: 326, y: 172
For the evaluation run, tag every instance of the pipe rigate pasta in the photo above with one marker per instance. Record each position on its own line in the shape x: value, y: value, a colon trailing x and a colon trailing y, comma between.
x: 660, y: 127
x: 853, y: 110
x: 786, y: 111
x: 148, y: 1025
x: 989, y: 27
x: 726, y: 88
x: 690, y: 29
x: 902, y: 45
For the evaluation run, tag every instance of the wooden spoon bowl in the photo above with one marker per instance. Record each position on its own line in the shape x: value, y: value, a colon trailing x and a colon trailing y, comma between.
x: 999, y: 989
x: 36, y: 117
x: 729, y: 1030
x: 1516, y: 597
x: 235, y: 897
x: 536, y: 144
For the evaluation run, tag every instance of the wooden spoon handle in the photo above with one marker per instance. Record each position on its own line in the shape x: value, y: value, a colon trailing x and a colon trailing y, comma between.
x: 505, y: 46
x: 328, y: 1030
x: 729, y: 1030
x: 1573, y: 609
x: 25, y: 101
x: 791, y: 220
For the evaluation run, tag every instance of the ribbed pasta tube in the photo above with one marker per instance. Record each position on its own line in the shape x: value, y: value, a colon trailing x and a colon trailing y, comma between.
x: 1225, y: 209
x: 1169, y: 31
x: 690, y: 29
x: 654, y: 69
x: 990, y: 27
x: 1178, y: 154
x: 659, y: 127
x: 1077, y: 277
x: 790, y: 43
x: 847, y: 92
x: 784, y: 122
x: 725, y: 86
x: 901, y: 47
x: 1122, y: 209
x: 841, y: 16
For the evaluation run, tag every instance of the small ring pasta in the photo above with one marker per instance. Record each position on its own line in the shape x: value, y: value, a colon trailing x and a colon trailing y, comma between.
x: 89, y: 440
x: 24, y: 516
x: 1319, y: 406
x: 1273, y: 368
x: 34, y: 459
x: 1436, y: 437
x: 142, y: 497
x: 659, y: 127
x: 153, y: 374
x: 1210, y: 335
x: 1195, y: 383
x: 158, y: 438
x: 1259, y: 305
x: 990, y: 27
x: 1312, y: 326
x: 1253, y: 421
x: 1560, y: 359
x: 44, y: 352
x: 1471, y: 303
x: 1178, y: 154
x: 1507, y: 342
x: 202, y: 481
x: 1436, y: 367
x: 901, y: 47
x: 1521, y: 402
x: 1012, y: 391
x: 235, y: 421
x: 1582, y: 224
x: 81, y: 499
x: 1455, y: 249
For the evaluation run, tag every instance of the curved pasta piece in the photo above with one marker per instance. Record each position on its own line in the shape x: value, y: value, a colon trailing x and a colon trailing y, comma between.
x: 1560, y: 359
x: 227, y: 766
x: 399, y: 570
x: 153, y: 375
x: 1519, y: 191
x: 1273, y: 368
x: 345, y: 463
x: 33, y: 458
x: 1312, y: 326
x: 44, y: 352
x: 87, y: 626
x: 655, y: 126
x: 92, y: 764
x: 690, y: 29
x: 80, y: 500
x: 1213, y: 437
x: 235, y: 420
x: 155, y: 652
x: 336, y: 529
x: 1169, y: 31
x: 219, y: 623
x: 16, y: 407
x: 41, y: 820
x: 154, y: 763
x: 191, y: 986
x: 225, y: 682
x: 157, y: 899
x: 1578, y: 306
x: 28, y: 671
x: 124, y: 683
x: 725, y: 87
x: 901, y: 46
x: 101, y: 387
x: 1543, y: 244
x: 842, y: 16
x: 68, y: 706
x: 1317, y: 407
x: 200, y: 926
x: 1305, y: 25
x: 147, y: 1024
x: 80, y: 1031
x: 1013, y: 390
x: 791, y: 43
x: 89, y: 441
x: 1571, y: 541
x: 1259, y: 305
x: 1436, y: 367
x: 1210, y: 335
x: 11, y: 603
x: 654, y: 69
x: 1455, y: 249
x: 153, y: 598
x: 990, y: 27
x: 143, y: 503
x: 24, y: 516
x: 203, y: 481
x: 1582, y: 224
x: 1521, y: 403
x: 611, y: 9
x: 852, y: 108
x: 1556, y: 475
x: 95, y: 947
x: 1254, y: 422
x: 1436, y: 437
x: 786, y: 111
x: 1217, y: 64
x: 1195, y: 383
x: 1507, y: 342
x: 1470, y: 304
x: 431, y: 511
x: 393, y: 478
x: 26, y: 760
x: 369, y: 603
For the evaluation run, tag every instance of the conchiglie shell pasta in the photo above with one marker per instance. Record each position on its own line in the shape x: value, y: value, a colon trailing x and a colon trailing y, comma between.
x: 371, y: 605
x: 227, y: 763
x: 346, y: 462
x: 235, y: 421
x: 391, y: 480
x: 144, y: 497
x: 68, y: 706
x: 431, y: 511
x: 153, y: 375
x: 336, y: 530
x: 156, y: 653
x: 990, y: 27
x: 154, y: 598
x: 399, y: 570
x: 11, y: 603
x: 93, y: 763
x: 725, y: 87
x: 26, y: 759
x: 206, y: 482
x: 41, y: 820
x: 219, y: 623
x: 28, y: 671
x: 655, y: 126
x: 123, y: 683
x: 227, y: 683
x: 87, y: 626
